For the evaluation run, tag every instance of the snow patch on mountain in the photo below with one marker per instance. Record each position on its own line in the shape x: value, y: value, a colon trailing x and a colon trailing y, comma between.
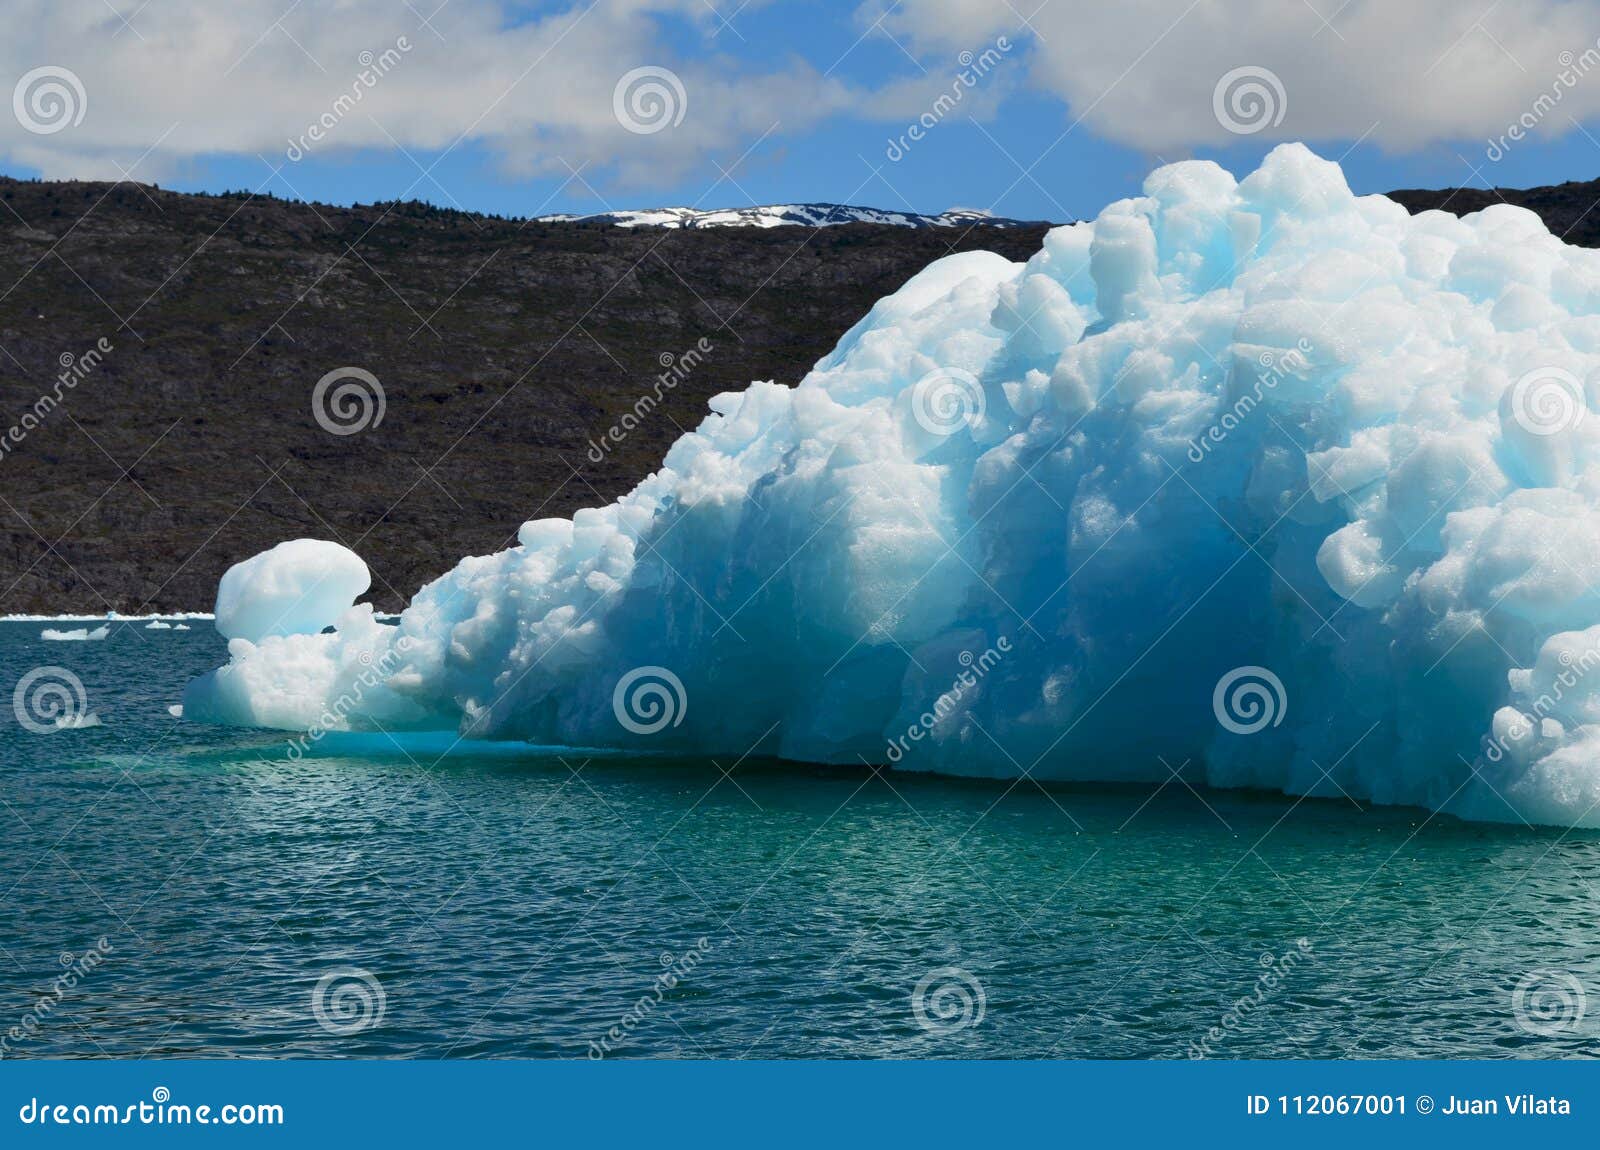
x: 779, y: 215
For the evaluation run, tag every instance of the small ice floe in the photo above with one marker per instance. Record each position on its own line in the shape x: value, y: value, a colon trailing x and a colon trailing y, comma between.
x: 176, y: 710
x: 157, y: 625
x: 77, y: 722
x: 78, y: 636
x: 181, y: 627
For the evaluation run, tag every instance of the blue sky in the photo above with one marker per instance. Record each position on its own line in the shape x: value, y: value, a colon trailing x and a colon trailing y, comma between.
x: 507, y: 108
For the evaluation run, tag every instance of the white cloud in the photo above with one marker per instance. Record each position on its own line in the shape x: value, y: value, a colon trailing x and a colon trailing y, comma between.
x: 191, y: 78
x: 1410, y: 72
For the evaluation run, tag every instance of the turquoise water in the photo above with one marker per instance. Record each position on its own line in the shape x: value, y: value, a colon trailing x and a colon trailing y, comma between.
x: 516, y: 902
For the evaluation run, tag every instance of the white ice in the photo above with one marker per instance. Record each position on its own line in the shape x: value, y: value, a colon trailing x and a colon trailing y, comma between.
x: 1261, y: 476
x: 296, y: 588
x: 78, y: 635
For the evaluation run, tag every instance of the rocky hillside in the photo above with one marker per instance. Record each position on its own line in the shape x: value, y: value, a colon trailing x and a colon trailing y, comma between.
x: 183, y: 437
x: 1567, y: 209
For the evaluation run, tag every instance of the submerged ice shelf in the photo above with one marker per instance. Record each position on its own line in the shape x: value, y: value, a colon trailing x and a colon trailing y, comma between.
x: 1261, y: 476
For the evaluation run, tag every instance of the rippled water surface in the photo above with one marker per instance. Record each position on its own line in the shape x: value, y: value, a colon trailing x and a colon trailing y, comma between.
x: 515, y: 902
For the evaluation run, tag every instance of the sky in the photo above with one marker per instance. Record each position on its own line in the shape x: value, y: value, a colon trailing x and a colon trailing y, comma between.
x: 1035, y: 109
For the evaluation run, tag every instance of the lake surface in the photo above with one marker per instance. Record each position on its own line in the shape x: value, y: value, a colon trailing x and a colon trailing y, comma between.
x: 378, y: 900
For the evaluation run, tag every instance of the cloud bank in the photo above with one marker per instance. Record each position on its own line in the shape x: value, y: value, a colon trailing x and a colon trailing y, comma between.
x: 191, y: 78
x: 1145, y: 72
x: 637, y: 92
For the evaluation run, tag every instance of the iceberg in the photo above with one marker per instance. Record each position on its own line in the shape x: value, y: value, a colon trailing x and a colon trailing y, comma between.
x: 1256, y: 480
x: 78, y: 635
